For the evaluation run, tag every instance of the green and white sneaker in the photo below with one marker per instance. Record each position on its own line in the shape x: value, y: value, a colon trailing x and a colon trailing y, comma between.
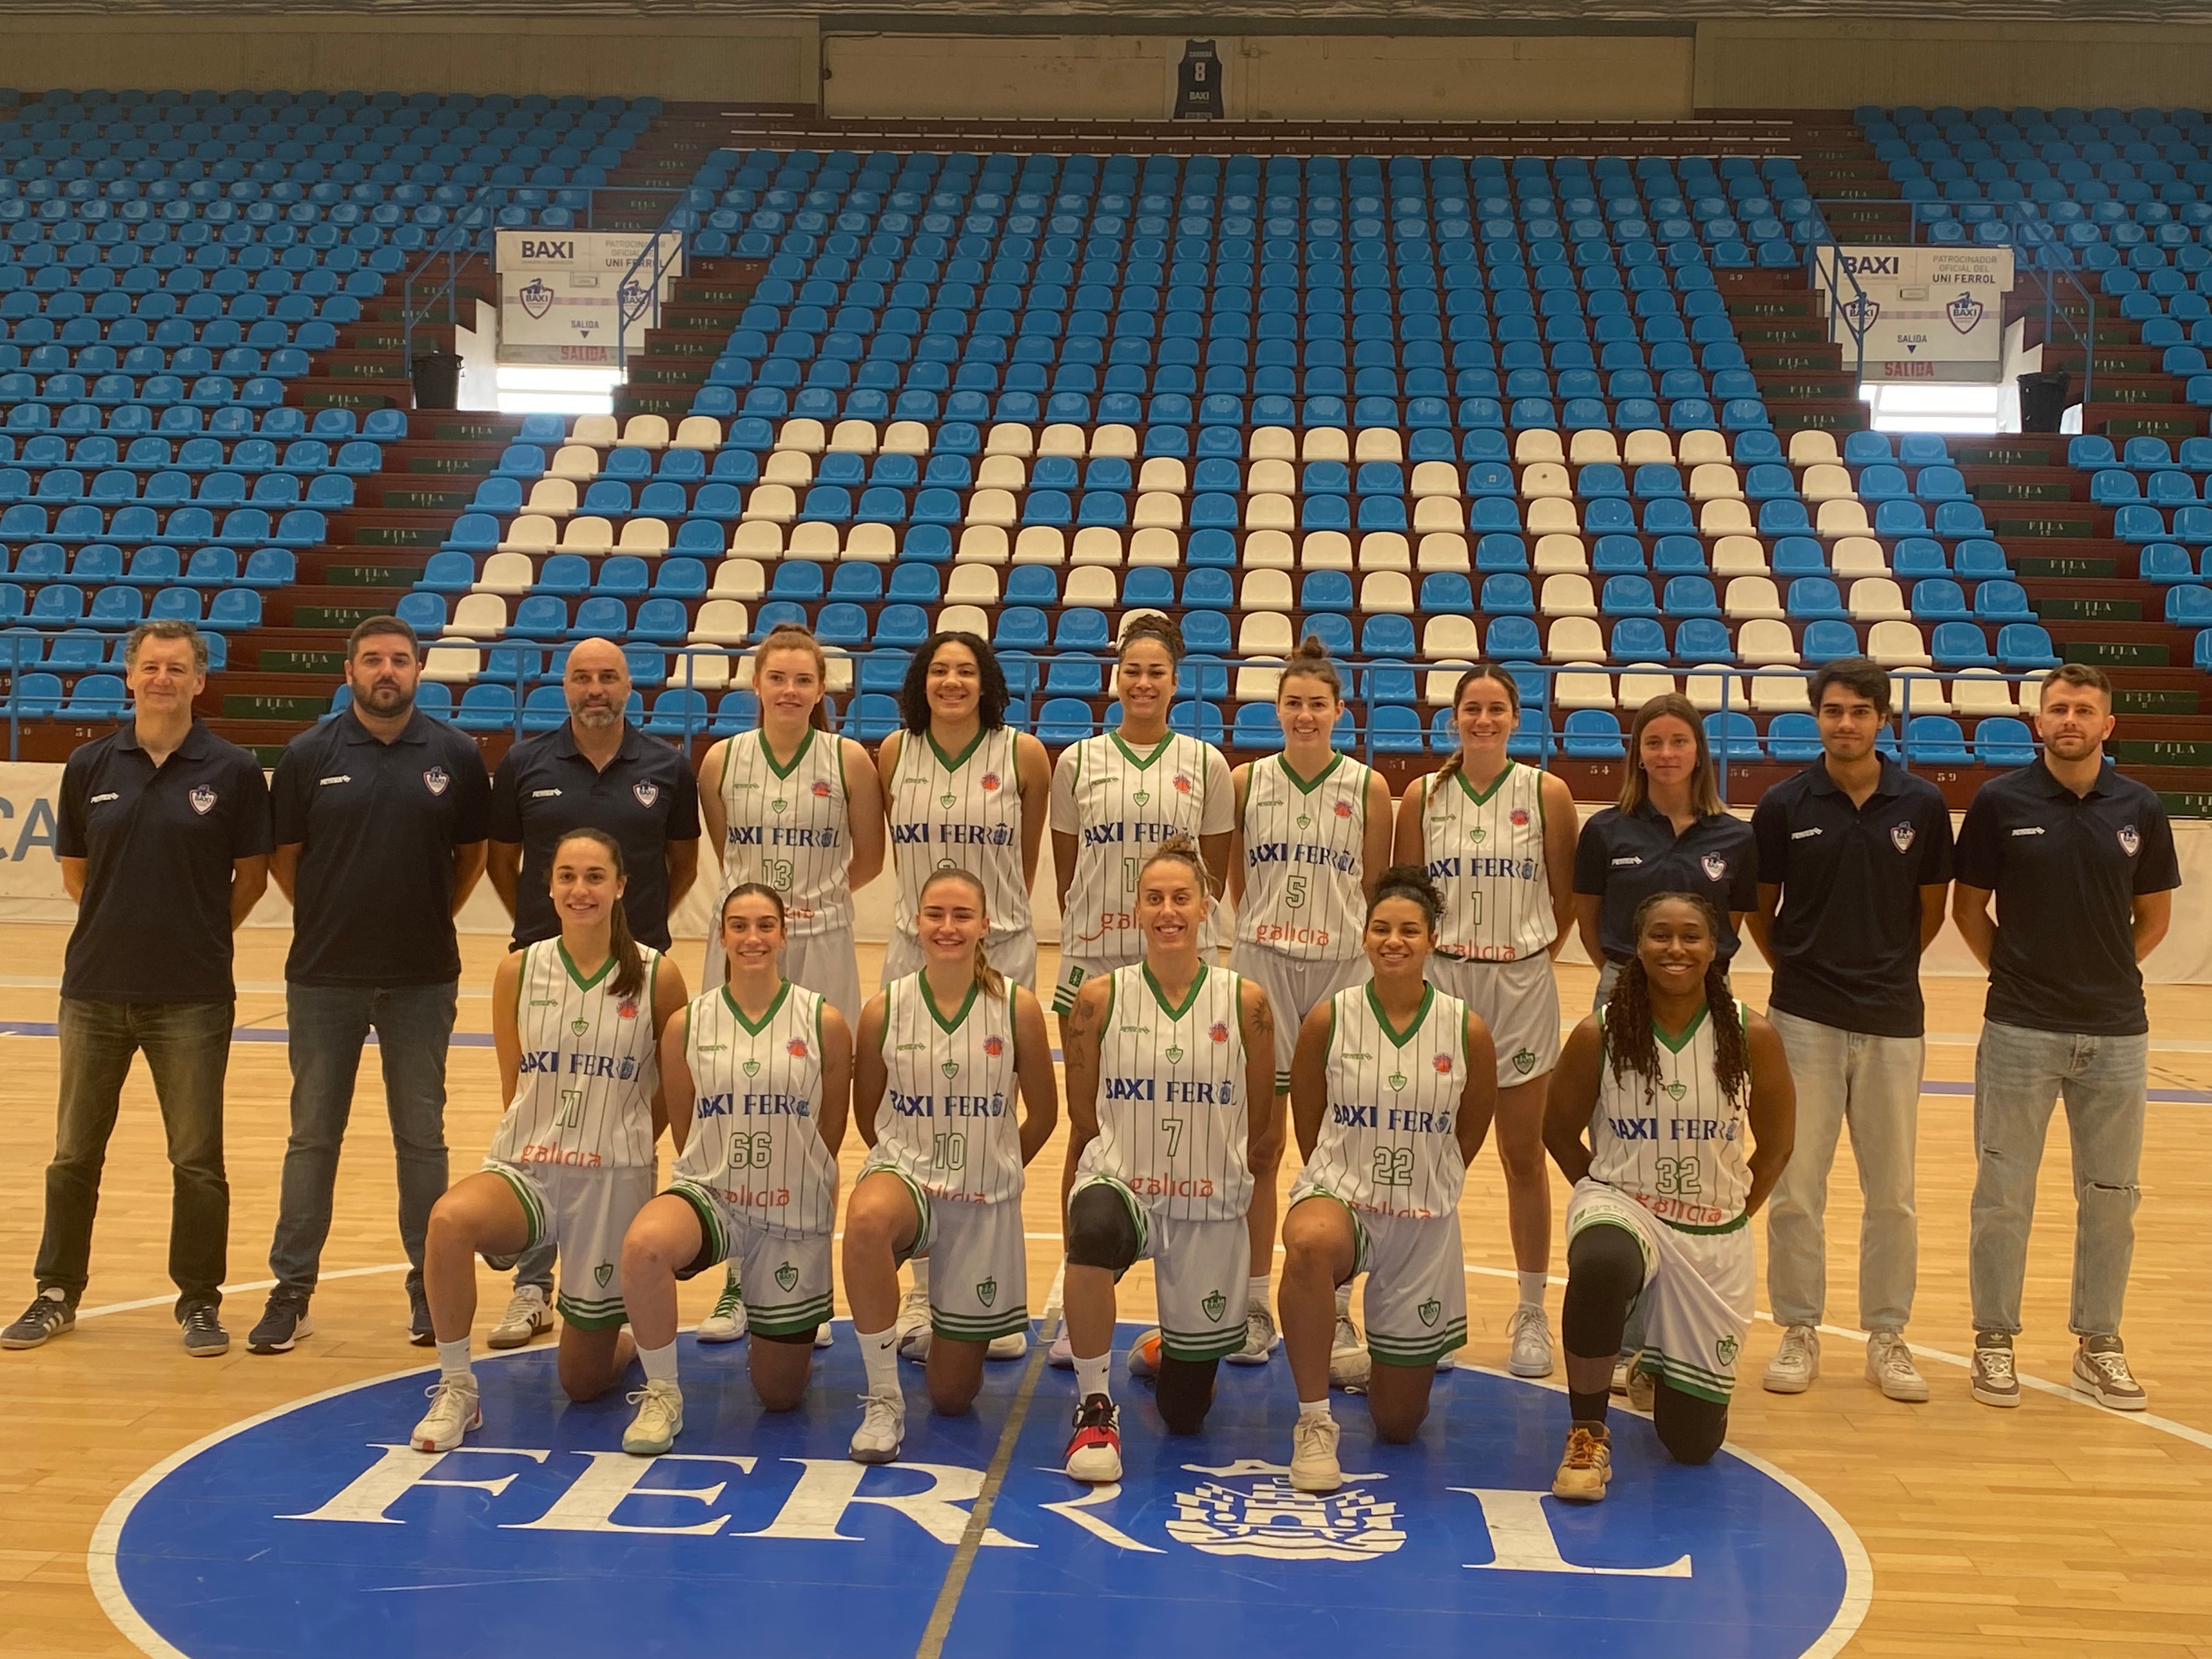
x: 660, y: 1420
x: 727, y: 1322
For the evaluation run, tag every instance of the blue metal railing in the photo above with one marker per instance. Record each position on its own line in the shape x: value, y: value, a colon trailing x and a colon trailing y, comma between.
x: 1845, y: 294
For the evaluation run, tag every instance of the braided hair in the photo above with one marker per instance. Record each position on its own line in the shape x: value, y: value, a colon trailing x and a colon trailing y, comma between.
x: 1630, y: 1045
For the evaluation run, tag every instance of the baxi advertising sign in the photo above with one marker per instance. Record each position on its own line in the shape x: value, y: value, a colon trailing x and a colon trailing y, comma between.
x: 1928, y: 313
x: 560, y: 291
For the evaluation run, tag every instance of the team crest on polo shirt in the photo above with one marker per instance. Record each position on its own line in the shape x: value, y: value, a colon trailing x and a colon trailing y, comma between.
x: 436, y: 779
x: 2130, y: 842
x: 1715, y: 867
x: 1902, y: 835
x: 203, y: 800
x: 647, y: 794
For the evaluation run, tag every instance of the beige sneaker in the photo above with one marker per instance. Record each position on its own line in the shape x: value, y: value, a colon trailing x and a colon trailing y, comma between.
x: 912, y: 1325
x: 660, y: 1420
x: 1349, y: 1364
x: 453, y: 1411
x: 2100, y: 1371
x: 1012, y: 1346
x: 1314, y: 1467
x: 526, y: 1318
x: 1261, y: 1338
x: 1587, y: 1466
x: 1889, y: 1367
x: 1528, y: 1343
x: 883, y: 1429
x: 1642, y: 1388
x: 727, y: 1321
x: 1797, y: 1363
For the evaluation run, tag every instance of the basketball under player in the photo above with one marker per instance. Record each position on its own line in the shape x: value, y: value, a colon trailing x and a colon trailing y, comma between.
x: 1498, y: 838
x: 1170, y: 1103
x: 1391, y: 1093
x: 943, y: 1058
x: 1312, y: 837
x: 800, y: 809
x: 575, y: 1023
x: 758, y: 1075
x: 1666, y: 1081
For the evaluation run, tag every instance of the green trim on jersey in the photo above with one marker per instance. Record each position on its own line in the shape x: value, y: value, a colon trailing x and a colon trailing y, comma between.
x: 576, y: 973
x: 715, y: 1242
x: 1144, y: 763
x: 954, y: 763
x: 1383, y: 1020
x: 534, y: 1212
x: 768, y: 754
x: 1675, y: 1045
x: 1161, y: 997
x: 774, y: 1007
x: 929, y: 1001
x: 608, y: 1315
x: 1319, y: 778
x: 1483, y: 798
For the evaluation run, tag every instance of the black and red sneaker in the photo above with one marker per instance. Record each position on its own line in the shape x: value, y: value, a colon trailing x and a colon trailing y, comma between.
x: 1094, y: 1452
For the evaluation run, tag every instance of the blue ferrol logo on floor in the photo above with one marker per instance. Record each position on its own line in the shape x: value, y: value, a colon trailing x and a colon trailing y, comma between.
x: 315, y: 1529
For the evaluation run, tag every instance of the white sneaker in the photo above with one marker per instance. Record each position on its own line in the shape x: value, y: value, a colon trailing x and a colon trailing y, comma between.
x: 660, y: 1420
x: 2100, y: 1371
x: 727, y: 1322
x: 913, y: 1325
x: 1528, y: 1343
x: 824, y: 1336
x: 1450, y: 1362
x: 1797, y: 1363
x: 882, y: 1431
x: 453, y: 1411
x: 1060, y: 1356
x: 1012, y: 1346
x: 1349, y: 1363
x: 526, y: 1317
x: 1313, y: 1455
x: 1889, y: 1367
x: 1261, y: 1338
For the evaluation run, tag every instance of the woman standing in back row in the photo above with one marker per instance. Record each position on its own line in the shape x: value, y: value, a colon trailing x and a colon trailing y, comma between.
x: 1498, y: 840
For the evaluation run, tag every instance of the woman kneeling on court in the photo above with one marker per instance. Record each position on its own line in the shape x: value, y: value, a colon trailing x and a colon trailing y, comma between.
x: 1392, y: 1089
x: 1170, y: 1107
x: 941, y: 1057
x: 758, y: 1075
x: 575, y: 1022
x: 1665, y: 1080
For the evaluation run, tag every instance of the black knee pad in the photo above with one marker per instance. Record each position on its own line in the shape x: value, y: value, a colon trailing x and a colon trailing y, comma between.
x: 1184, y: 1392
x: 1605, y: 1275
x: 1101, y: 1231
x: 1691, y: 1429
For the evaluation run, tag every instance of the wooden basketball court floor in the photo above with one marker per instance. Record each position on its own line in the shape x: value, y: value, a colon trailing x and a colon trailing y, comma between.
x: 2056, y: 1529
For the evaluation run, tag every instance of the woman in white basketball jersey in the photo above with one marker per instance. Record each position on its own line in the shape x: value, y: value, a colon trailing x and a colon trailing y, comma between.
x: 1391, y: 1093
x: 943, y: 1058
x: 1170, y: 1104
x: 799, y: 809
x: 1312, y: 837
x: 1118, y: 798
x: 1498, y: 838
x: 1665, y: 1082
x: 963, y: 790
x: 758, y: 1074
x: 575, y: 1022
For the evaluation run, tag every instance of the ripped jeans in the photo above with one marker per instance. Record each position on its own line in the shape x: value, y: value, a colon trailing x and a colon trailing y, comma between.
x: 2020, y: 1075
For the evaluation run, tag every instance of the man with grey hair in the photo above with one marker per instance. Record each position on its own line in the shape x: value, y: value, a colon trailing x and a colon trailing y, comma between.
x: 164, y: 839
x: 594, y: 771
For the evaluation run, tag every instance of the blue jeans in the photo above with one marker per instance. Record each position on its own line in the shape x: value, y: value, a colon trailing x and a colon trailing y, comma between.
x: 2020, y: 1076
x: 414, y: 1023
x: 187, y: 1049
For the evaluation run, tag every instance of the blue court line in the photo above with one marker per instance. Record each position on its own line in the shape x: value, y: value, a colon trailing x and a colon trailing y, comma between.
x: 483, y: 1040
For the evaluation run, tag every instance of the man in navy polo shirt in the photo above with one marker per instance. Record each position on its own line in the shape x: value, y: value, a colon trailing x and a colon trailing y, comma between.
x: 2082, y: 865
x: 595, y: 771
x: 380, y: 815
x: 163, y: 835
x: 1853, y: 867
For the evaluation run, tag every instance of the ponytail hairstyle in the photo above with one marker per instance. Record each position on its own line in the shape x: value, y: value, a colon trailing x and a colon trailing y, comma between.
x: 790, y: 636
x: 1705, y: 788
x: 992, y: 982
x: 1630, y: 1045
x: 1310, y: 659
x: 1483, y: 670
x: 1180, y: 849
x: 1409, y: 881
x: 629, y: 960
x: 759, y: 888
x: 1153, y: 625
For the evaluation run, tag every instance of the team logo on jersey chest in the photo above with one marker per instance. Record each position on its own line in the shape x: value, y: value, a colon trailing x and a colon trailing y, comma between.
x: 1716, y: 868
x: 822, y: 788
x: 436, y: 779
x: 1396, y: 1079
x: 1182, y: 784
x: 1175, y: 1055
x: 2129, y: 840
x: 1518, y: 817
x: 1477, y: 834
x: 990, y: 781
x: 1219, y: 1031
x: 626, y: 1009
x: 994, y: 1046
x: 203, y: 800
x: 1343, y: 808
x: 1676, y: 1090
x: 580, y: 1026
x: 1142, y: 797
x: 647, y: 794
x: 1901, y: 834
x: 797, y: 1050
x: 1443, y: 1065
x: 950, y: 1068
x: 751, y: 1068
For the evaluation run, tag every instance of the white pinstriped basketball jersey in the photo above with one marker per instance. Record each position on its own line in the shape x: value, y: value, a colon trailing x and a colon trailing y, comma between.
x: 1486, y: 853
x: 590, y: 1064
x: 1127, y: 804
x: 789, y: 829
x: 1303, y: 847
x: 948, y: 1119
x: 1388, y: 1141
x: 1679, y: 1150
x: 1171, y: 1123
x: 960, y: 812
x: 756, y: 1110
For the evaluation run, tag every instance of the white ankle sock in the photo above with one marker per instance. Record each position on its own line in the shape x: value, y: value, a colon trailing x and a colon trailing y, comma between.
x: 1312, y: 1409
x: 921, y: 1266
x: 453, y: 1360
x: 880, y: 1353
x: 1091, y: 1375
x: 1532, y: 1288
x: 659, y: 1363
x: 1255, y: 1293
x: 1343, y: 1300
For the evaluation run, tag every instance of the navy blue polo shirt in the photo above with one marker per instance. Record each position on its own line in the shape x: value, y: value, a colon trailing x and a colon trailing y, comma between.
x: 376, y: 824
x: 645, y: 797
x: 1624, y: 857
x: 158, y: 844
x: 1847, y: 936
x: 2065, y: 869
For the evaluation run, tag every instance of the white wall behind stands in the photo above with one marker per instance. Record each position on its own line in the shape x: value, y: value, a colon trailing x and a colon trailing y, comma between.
x: 31, y: 891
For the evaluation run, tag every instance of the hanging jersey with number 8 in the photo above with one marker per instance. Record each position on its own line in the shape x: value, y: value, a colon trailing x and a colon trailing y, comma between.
x: 948, y: 1121
x: 1304, y: 841
x: 756, y: 1110
x: 1389, y: 1137
x: 1677, y: 1146
x: 789, y: 829
x: 590, y: 1064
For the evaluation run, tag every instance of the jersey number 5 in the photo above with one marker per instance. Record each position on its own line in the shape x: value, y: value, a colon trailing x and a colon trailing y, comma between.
x: 1294, y: 891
